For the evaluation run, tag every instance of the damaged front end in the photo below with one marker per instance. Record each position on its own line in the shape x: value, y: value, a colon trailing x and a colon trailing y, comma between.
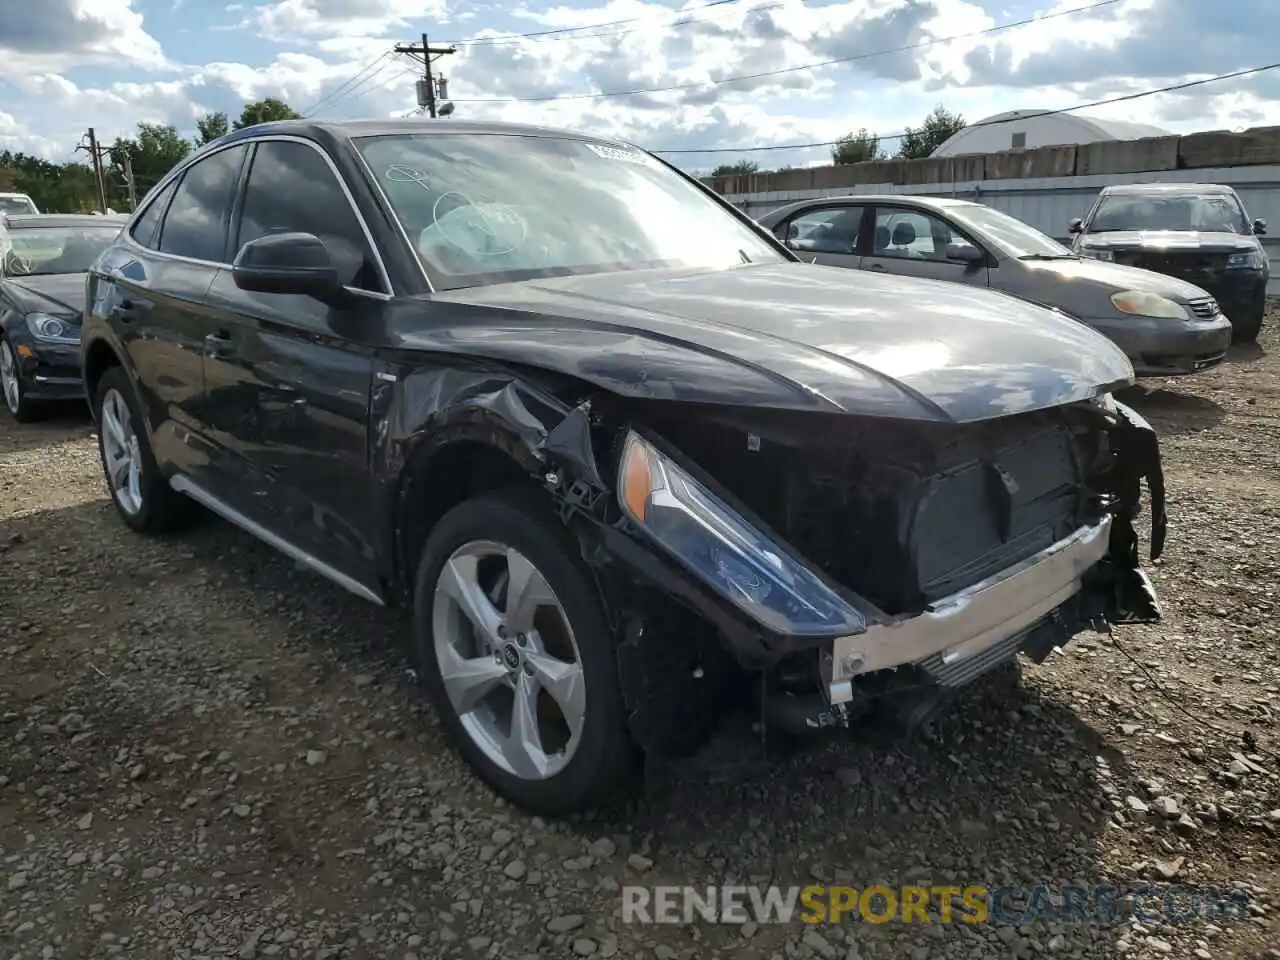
x: 847, y: 561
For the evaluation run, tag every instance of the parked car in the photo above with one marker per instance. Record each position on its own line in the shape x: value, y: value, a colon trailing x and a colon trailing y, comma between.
x: 43, y: 259
x: 18, y: 203
x: 1165, y: 326
x: 625, y: 455
x: 1197, y: 232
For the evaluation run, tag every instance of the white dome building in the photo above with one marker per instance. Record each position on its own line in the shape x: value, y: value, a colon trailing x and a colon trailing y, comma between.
x: 1026, y: 129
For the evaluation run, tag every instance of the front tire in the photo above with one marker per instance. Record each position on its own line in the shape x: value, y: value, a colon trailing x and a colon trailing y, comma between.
x: 141, y: 494
x: 16, y: 401
x: 1247, y: 329
x: 517, y: 656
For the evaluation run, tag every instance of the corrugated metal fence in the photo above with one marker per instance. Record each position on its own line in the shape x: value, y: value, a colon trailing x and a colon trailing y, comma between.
x: 1050, y: 203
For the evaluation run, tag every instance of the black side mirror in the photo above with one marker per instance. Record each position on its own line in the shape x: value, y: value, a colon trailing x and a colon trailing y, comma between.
x: 964, y: 253
x: 1076, y: 226
x: 1259, y: 227
x: 297, y: 263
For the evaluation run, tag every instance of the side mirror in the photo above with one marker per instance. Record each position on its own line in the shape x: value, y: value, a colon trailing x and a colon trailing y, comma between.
x: 1076, y: 226
x: 297, y: 263
x: 964, y: 253
x: 1259, y: 227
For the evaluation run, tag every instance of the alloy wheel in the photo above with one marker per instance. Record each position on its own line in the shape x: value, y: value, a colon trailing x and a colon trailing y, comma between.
x: 508, y: 659
x: 9, y: 382
x: 121, y: 452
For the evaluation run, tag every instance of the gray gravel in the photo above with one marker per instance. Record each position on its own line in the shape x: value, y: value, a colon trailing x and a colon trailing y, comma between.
x: 205, y: 752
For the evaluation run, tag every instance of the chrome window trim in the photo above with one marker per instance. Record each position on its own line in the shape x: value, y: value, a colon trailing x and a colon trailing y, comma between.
x: 286, y: 138
x: 391, y: 210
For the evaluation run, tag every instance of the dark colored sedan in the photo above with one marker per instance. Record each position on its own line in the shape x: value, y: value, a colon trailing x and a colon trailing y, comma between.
x: 1197, y: 232
x: 628, y: 459
x: 43, y: 260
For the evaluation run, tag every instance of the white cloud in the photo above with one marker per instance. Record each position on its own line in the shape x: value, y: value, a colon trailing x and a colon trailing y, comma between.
x: 894, y: 69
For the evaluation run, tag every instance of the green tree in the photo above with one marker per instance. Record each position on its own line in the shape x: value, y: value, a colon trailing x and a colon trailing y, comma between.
x: 55, y: 187
x: 938, y: 127
x: 265, y: 111
x: 210, y: 127
x: 154, y: 151
x: 857, y: 147
x: 739, y: 168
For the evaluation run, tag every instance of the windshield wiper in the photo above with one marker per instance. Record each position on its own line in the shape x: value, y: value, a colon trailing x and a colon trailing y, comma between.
x: 1049, y: 256
x: 743, y: 255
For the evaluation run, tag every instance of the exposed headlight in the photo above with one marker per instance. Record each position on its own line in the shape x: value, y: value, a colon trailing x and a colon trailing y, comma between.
x: 1097, y: 253
x: 1248, y: 260
x: 727, y: 552
x: 51, y: 329
x: 1142, y: 304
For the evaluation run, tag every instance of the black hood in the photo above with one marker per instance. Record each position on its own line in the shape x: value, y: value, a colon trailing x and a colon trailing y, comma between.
x: 61, y: 294
x: 1172, y: 241
x: 787, y: 335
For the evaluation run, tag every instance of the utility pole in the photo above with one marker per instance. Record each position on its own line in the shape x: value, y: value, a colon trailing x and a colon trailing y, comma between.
x: 95, y: 152
x: 127, y: 169
x: 426, y: 53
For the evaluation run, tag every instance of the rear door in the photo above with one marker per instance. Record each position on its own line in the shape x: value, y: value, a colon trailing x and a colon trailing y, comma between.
x: 914, y: 243
x: 152, y: 291
x: 288, y: 378
x: 825, y: 234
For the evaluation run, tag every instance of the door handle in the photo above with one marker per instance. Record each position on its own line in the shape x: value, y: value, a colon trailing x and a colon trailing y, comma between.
x: 217, y: 343
x: 129, y: 310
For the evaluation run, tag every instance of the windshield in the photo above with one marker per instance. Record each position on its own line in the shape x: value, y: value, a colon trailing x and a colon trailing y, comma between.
x: 490, y: 208
x: 1214, y: 213
x: 37, y: 251
x: 17, y: 205
x: 1013, y: 237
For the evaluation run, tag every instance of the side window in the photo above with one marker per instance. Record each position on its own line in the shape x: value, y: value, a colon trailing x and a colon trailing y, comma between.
x: 830, y: 230
x: 147, y: 227
x: 195, y: 225
x: 292, y: 189
x: 912, y: 235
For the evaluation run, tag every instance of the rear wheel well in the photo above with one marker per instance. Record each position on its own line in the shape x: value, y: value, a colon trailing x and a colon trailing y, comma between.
x: 441, y: 480
x: 99, y: 358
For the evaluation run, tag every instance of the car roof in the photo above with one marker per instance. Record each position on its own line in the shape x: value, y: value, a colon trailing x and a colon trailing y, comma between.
x: 19, y: 221
x: 1169, y: 188
x: 855, y: 199
x: 347, y: 129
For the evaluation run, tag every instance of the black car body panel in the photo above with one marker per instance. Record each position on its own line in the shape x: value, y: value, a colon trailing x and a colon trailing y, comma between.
x: 812, y: 338
x: 862, y: 426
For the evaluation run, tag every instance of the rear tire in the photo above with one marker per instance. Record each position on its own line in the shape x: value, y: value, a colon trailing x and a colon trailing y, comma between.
x: 513, y: 534
x: 141, y: 494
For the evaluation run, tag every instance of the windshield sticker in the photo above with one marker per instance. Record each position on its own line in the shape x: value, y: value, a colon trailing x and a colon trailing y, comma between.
x: 615, y: 153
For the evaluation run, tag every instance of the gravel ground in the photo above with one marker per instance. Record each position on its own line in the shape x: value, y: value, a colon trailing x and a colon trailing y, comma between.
x: 205, y: 752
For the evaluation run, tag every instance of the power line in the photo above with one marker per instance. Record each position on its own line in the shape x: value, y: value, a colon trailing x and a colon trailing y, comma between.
x: 1123, y: 98
x: 562, y: 33
x: 337, y: 94
x: 807, y: 66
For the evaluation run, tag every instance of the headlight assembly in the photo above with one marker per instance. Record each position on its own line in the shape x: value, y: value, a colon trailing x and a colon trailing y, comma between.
x: 723, y: 549
x: 1248, y: 260
x: 1142, y: 304
x: 51, y: 329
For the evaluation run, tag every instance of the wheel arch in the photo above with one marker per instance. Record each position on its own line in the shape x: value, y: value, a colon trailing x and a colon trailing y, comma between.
x: 99, y: 357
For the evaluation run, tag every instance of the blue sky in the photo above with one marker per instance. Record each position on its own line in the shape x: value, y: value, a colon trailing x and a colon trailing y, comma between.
x: 66, y: 65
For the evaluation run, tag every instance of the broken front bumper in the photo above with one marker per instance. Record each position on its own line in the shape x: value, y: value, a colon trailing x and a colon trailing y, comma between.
x: 966, y: 627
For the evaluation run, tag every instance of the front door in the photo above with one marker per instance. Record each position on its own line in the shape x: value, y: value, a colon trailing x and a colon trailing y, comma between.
x: 916, y: 243
x: 288, y: 378
x: 825, y: 234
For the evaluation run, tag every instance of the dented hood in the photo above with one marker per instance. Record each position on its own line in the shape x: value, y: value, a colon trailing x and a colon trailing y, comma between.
x: 787, y: 335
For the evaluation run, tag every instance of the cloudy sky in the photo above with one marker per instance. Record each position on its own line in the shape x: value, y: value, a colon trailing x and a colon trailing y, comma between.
x: 715, y: 75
